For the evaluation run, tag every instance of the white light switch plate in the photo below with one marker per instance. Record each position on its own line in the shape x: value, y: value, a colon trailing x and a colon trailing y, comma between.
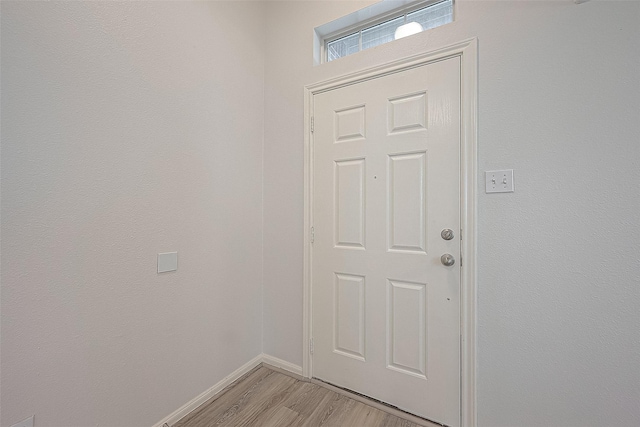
x: 499, y: 181
x: 25, y: 423
x: 167, y: 261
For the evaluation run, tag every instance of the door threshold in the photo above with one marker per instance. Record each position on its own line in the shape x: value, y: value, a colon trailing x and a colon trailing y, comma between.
x: 378, y: 404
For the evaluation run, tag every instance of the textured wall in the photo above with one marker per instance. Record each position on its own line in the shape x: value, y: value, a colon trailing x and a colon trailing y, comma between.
x: 134, y: 128
x: 128, y: 129
x: 559, y: 271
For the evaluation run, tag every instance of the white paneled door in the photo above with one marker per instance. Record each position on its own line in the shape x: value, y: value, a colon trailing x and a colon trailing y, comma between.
x: 386, y: 177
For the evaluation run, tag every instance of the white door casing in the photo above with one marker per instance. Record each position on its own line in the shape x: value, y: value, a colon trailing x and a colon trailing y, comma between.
x: 355, y: 172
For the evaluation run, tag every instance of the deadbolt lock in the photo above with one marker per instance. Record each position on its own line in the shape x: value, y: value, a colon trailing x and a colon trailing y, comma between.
x: 447, y: 234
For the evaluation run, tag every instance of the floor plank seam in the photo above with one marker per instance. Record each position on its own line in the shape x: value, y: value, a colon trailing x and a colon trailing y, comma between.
x: 267, y: 397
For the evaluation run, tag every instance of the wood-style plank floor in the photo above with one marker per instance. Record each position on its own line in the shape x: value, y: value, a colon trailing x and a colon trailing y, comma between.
x: 267, y: 398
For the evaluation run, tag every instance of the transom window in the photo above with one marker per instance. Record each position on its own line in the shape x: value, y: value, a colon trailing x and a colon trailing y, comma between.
x: 388, y: 28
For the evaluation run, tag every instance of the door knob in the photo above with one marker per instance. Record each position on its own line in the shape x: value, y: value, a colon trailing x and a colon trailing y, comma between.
x: 447, y: 234
x: 448, y: 260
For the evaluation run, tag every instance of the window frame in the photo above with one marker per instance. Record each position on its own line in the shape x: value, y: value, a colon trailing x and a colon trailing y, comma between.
x: 357, y: 28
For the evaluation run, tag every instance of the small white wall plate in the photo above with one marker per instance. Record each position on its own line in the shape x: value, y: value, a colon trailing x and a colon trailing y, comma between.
x: 167, y: 261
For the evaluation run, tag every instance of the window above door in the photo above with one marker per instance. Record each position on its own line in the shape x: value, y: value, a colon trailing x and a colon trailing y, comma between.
x: 344, y: 37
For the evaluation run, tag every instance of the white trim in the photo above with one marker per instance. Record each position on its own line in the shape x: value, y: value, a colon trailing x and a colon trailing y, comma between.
x: 282, y: 364
x: 468, y: 216
x: 194, y: 403
x: 468, y: 52
x: 308, y: 221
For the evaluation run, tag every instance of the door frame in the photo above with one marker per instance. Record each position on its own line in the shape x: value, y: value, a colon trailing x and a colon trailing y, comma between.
x: 467, y: 50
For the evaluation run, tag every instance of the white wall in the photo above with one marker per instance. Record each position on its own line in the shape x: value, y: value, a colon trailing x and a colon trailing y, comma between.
x: 559, y: 272
x: 128, y: 129
x: 135, y: 128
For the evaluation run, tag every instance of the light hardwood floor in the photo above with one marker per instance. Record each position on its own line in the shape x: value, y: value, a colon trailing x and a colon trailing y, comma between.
x: 267, y: 398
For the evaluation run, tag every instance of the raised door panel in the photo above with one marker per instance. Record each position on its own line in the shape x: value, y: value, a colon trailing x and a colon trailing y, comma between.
x: 349, y: 124
x: 407, y: 113
x: 349, y: 193
x: 407, y: 327
x: 349, y: 315
x: 407, y: 198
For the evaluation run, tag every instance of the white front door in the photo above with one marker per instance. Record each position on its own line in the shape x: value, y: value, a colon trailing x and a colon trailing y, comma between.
x: 386, y: 177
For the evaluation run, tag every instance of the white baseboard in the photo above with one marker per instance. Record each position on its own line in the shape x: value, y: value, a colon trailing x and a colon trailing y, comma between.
x: 208, y: 394
x: 282, y: 364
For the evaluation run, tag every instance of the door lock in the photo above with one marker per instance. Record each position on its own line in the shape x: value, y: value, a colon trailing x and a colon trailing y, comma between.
x: 448, y: 260
x: 447, y: 234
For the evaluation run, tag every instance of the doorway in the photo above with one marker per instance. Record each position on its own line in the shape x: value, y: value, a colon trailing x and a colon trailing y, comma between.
x: 390, y: 256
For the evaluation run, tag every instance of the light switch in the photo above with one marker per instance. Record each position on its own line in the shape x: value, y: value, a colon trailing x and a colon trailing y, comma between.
x: 167, y: 261
x: 499, y: 181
